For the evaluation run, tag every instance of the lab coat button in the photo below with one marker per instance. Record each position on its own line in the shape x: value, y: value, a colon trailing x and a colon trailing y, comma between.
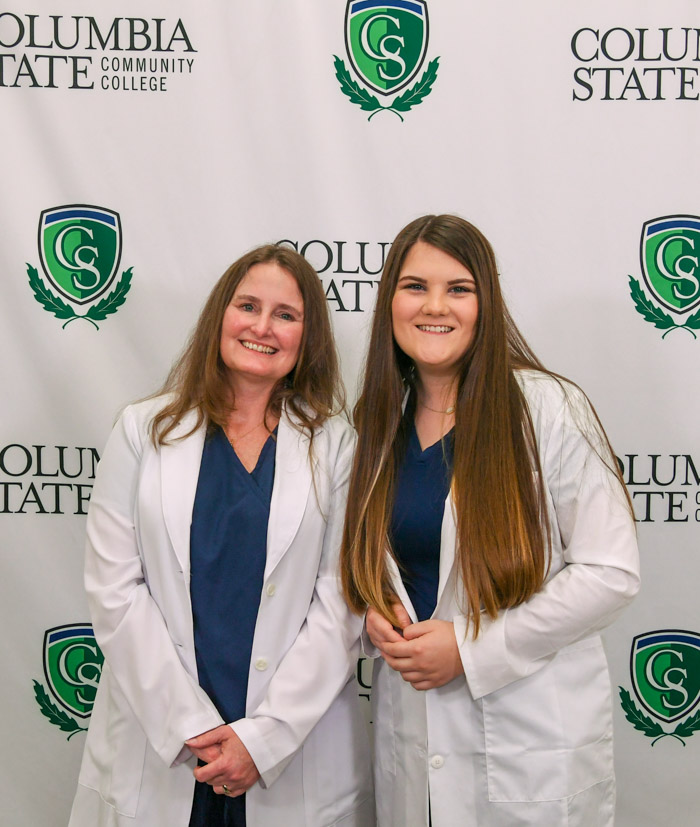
x: 261, y: 664
x: 271, y: 589
x: 437, y: 761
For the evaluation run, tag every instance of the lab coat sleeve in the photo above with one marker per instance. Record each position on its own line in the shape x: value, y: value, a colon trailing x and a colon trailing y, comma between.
x: 129, y: 627
x: 600, y: 571
x: 320, y: 661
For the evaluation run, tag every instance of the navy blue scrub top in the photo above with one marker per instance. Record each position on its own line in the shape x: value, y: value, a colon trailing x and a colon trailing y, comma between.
x: 228, y: 549
x: 422, y: 486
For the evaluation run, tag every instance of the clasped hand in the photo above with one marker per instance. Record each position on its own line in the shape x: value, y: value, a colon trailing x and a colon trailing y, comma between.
x: 228, y: 762
x: 426, y: 656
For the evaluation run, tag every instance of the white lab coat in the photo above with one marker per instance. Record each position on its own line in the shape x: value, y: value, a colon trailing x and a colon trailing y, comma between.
x: 304, y: 727
x: 525, y: 736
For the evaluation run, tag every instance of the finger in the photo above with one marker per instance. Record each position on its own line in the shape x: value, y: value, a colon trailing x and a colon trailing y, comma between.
x: 401, y: 614
x: 399, y: 664
x: 401, y: 649
x: 422, y: 685
x: 208, y: 754
x: 379, y: 629
x: 418, y: 629
x: 210, y: 772
x: 387, y: 635
x: 206, y: 739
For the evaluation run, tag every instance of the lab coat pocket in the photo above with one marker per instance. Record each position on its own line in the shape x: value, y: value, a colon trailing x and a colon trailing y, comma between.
x: 549, y: 736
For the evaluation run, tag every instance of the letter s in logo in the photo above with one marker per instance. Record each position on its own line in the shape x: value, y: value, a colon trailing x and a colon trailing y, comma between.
x: 82, y: 282
x: 384, y: 53
x: 679, y: 274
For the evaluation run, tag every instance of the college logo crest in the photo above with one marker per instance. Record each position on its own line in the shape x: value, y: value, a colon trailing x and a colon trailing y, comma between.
x: 80, y: 249
x: 386, y: 43
x: 665, y: 672
x: 670, y: 255
x: 72, y: 668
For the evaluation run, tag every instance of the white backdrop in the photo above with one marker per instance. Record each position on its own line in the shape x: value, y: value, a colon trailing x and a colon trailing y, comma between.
x: 212, y: 128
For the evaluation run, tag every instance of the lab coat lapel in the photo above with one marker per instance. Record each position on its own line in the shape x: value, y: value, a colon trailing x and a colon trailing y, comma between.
x: 448, y: 546
x: 290, y: 492
x: 399, y: 588
x: 179, y: 463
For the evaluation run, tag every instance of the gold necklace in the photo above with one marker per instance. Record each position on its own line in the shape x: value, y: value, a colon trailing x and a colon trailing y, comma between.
x: 449, y: 410
x: 242, y: 436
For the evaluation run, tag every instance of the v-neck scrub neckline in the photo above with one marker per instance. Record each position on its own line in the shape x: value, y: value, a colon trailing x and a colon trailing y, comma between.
x: 422, y: 486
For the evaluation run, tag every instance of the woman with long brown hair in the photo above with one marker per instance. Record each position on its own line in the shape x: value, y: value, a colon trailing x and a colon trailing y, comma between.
x: 212, y: 578
x: 489, y: 538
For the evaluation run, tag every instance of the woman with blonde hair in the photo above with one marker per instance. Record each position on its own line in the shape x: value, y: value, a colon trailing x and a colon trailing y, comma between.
x: 212, y: 578
x: 489, y: 538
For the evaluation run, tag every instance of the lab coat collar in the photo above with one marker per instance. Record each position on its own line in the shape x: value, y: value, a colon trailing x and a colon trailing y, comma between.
x: 180, y: 462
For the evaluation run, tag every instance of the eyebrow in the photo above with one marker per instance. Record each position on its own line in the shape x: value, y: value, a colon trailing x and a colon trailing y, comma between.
x: 470, y: 280
x: 248, y: 297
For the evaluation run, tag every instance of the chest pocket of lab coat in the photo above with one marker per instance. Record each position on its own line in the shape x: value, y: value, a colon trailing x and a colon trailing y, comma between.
x: 549, y: 736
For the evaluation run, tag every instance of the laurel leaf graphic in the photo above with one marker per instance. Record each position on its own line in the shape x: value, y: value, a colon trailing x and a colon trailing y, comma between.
x: 413, y: 96
x: 637, y: 718
x: 693, y: 321
x: 689, y: 726
x: 57, y: 716
x: 111, y: 303
x: 46, y: 298
x: 650, y: 311
x: 364, y: 99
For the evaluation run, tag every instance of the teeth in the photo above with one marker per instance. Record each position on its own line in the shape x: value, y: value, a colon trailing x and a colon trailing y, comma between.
x: 434, y: 328
x: 259, y: 348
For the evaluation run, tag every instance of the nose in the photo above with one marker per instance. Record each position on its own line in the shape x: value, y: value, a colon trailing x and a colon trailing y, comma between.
x: 261, y: 326
x: 435, y: 303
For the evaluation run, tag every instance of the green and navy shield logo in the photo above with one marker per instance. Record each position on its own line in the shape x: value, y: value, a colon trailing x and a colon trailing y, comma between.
x: 80, y: 248
x: 669, y: 252
x: 386, y: 41
x: 670, y: 259
x: 665, y: 672
x: 665, y: 668
x: 72, y: 666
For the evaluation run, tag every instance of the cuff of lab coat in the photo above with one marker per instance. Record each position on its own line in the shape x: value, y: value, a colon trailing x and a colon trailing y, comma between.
x: 176, y: 752
x: 488, y: 665
x: 369, y: 650
x: 255, y: 740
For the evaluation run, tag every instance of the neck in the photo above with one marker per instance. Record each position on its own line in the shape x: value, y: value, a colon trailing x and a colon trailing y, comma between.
x: 251, y: 399
x: 437, y: 392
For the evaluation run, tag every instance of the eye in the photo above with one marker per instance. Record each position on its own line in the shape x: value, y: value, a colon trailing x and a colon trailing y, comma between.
x: 414, y: 286
x: 287, y: 317
x: 247, y: 306
x: 461, y: 289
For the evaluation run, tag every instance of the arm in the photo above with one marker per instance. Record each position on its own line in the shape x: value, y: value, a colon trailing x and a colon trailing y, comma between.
x: 129, y: 627
x: 600, y: 572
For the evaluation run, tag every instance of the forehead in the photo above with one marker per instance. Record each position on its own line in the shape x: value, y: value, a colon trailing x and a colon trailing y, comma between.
x: 425, y: 261
x: 271, y: 282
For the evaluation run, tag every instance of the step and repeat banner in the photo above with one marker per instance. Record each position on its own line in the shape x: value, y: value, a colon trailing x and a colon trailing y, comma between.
x: 146, y: 145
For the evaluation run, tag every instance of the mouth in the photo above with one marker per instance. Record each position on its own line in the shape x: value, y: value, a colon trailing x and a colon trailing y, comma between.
x: 435, y: 328
x: 258, y: 348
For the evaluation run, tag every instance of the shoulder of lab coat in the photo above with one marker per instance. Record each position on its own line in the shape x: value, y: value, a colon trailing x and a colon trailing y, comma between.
x: 323, y: 657
x: 595, y: 562
x: 129, y: 627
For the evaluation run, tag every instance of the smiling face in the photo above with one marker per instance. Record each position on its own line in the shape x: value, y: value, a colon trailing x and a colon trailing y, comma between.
x: 263, y: 325
x: 434, y: 310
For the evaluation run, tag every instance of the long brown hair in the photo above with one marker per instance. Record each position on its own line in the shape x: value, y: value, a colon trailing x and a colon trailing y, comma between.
x: 311, y: 392
x: 502, y: 531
